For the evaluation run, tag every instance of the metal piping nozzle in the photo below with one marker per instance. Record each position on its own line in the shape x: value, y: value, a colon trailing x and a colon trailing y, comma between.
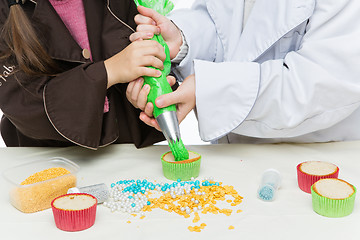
x: 169, y: 125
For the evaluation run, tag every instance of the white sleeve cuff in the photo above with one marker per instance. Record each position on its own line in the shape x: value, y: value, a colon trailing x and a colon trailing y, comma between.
x: 183, y: 50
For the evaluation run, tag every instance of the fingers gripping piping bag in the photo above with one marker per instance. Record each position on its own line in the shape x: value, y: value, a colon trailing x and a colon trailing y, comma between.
x: 166, y: 117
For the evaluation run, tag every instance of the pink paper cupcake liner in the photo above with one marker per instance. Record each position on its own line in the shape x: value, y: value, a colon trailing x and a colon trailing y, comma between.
x: 305, y: 180
x: 74, y: 220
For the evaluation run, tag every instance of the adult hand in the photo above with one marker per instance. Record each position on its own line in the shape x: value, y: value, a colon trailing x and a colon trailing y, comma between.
x: 134, y: 61
x: 150, y: 22
x: 183, y: 97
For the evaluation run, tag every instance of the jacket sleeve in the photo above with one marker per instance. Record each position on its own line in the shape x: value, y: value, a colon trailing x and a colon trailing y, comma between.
x: 311, y: 89
x: 74, y: 104
x: 68, y: 107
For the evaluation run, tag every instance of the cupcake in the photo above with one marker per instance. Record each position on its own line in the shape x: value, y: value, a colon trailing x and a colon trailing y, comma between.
x: 183, y: 170
x: 74, y: 212
x: 332, y: 197
x: 310, y: 172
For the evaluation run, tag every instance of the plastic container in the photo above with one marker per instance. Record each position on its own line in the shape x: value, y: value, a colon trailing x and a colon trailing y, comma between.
x: 38, y: 196
x: 270, y: 183
x: 99, y: 191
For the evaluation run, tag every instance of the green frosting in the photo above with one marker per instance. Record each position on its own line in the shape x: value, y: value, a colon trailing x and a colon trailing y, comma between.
x: 179, y: 151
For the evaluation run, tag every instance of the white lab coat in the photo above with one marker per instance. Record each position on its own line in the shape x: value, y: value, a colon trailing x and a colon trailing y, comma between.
x: 292, y: 74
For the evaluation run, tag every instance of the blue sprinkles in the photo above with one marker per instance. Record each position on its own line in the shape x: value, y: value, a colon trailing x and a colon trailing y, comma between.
x: 266, y: 193
x: 141, y: 186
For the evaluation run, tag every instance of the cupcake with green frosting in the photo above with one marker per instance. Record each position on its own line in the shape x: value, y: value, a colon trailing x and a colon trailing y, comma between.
x: 183, y: 170
x: 332, y: 197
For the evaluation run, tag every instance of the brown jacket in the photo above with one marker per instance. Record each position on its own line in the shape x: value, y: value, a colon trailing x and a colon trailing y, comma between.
x: 68, y: 109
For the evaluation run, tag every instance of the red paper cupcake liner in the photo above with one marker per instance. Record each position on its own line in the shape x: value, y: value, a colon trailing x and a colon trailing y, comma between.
x: 74, y: 220
x: 305, y: 180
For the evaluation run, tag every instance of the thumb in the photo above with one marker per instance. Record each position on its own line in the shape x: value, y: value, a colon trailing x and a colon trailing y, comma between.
x: 167, y: 100
x: 148, y: 12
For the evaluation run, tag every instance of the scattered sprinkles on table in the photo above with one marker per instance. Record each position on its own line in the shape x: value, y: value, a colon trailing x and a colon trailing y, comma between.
x: 181, y: 197
x: 197, y: 228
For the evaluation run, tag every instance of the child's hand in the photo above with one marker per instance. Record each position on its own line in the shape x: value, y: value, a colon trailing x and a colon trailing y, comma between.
x: 184, y: 97
x: 150, y: 22
x: 137, y: 94
x: 134, y: 61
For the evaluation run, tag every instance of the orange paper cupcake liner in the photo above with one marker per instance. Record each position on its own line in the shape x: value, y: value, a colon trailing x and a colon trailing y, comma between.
x: 305, y: 180
x: 74, y: 220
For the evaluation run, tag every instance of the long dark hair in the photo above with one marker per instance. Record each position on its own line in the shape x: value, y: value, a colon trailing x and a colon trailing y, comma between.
x: 23, y: 44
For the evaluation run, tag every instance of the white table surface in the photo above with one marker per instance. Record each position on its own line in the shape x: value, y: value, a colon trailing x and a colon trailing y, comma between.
x: 290, y: 216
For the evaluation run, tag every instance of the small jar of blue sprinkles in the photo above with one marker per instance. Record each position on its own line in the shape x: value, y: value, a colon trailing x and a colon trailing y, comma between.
x: 270, y: 183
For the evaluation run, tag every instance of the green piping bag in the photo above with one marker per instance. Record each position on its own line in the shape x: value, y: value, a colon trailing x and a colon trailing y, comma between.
x: 166, y: 117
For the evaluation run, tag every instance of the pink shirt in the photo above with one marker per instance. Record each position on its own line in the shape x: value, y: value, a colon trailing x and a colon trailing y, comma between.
x: 72, y: 14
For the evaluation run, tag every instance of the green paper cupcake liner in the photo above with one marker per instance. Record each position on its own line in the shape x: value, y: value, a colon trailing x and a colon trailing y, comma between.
x: 332, y: 207
x: 184, y: 171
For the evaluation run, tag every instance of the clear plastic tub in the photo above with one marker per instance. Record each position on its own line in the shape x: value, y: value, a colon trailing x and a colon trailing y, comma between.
x: 38, y: 196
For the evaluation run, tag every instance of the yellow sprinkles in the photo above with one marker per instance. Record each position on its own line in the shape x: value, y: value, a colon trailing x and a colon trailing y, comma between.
x: 197, y: 228
x: 196, y: 218
x: 44, y: 175
x: 207, y: 202
x: 200, y: 198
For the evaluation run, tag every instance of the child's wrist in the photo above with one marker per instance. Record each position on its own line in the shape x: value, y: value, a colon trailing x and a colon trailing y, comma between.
x: 111, y: 79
